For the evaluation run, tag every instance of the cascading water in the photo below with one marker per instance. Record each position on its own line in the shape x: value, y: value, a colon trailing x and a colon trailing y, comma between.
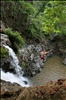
x: 14, y: 61
x: 18, y: 77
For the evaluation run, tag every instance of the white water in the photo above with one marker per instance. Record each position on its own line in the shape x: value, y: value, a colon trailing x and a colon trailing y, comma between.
x: 14, y: 78
x: 14, y: 61
x: 18, y: 78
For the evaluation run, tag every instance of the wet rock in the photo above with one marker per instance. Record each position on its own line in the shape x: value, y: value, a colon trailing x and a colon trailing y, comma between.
x: 41, y: 63
x: 30, y: 59
x: 3, y: 37
x: 4, y: 61
x: 4, y: 40
x: 25, y: 82
x: 5, y: 64
x: 64, y: 62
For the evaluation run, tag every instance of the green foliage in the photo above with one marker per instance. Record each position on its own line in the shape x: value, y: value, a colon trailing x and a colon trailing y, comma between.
x: 3, y: 52
x: 31, y: 21
x: 55, y: 17
x: 39, y: 5
x: 15, y: 37
x: 20, y: 16
x: 16, y: 14
x: 28, y: 8
x: 34, y: 27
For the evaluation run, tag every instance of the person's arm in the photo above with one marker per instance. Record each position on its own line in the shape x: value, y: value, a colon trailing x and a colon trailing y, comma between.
x: 46, y: 52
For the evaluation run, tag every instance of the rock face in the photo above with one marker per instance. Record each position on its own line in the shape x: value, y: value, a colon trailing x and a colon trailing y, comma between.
x: 5, y: 60
x: 64, y: 62
x: 62, y: 51
x: 49, y: 91
x: 3, y: 37
x: 60, y: 45
x: 5, y: 40
x: 30, y: 58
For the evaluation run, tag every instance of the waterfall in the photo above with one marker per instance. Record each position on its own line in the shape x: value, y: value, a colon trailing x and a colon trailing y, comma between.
x: 14, y: 78
x: 18, y: 77
x: 14, y: 61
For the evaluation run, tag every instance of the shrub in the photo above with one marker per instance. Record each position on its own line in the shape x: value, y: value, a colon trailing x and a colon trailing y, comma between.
x: 15, y: 37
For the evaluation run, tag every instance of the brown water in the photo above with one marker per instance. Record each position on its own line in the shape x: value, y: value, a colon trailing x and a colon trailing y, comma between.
x: 53, y: 70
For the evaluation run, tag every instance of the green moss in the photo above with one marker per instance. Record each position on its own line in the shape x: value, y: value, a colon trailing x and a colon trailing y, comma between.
x: 4, y: 52
x: 15, y: 37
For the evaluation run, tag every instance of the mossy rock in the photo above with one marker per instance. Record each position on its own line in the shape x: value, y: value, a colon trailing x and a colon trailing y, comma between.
x: 23, y: 64
x: 4, y: 52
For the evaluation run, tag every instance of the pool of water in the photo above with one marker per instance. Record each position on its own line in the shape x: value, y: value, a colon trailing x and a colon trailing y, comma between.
x: 53, y: 70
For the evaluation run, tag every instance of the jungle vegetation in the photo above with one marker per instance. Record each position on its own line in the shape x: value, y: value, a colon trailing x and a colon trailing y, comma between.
x: 34, y: 19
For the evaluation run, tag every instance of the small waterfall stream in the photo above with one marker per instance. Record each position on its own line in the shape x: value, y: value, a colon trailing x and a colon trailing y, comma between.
x: 14, y: 61
x: 18, y: 77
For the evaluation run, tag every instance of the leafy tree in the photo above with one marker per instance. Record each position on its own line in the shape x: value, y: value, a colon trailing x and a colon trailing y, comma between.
x: 39, y: 5
x: 34, y: 18
x: 15, y: 14
x: 20, y: 16
x: 55, y: 17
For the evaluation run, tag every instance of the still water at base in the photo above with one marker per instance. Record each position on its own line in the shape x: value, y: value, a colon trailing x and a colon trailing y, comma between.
x: 53, y: 70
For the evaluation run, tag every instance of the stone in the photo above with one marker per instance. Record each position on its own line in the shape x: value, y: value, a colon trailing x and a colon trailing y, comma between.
x: 30, y: 55
x: 4, y: 40
x: 64, y: 62
x: 49, y: 91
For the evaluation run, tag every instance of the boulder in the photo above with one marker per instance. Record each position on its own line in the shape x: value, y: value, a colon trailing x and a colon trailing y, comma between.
x: 30, y: 59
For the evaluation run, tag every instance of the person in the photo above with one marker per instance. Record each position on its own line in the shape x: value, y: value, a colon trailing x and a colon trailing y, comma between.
x: 43, y: 55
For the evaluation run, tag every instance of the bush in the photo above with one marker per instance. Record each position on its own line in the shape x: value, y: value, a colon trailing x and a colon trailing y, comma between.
x: 15, y: 37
